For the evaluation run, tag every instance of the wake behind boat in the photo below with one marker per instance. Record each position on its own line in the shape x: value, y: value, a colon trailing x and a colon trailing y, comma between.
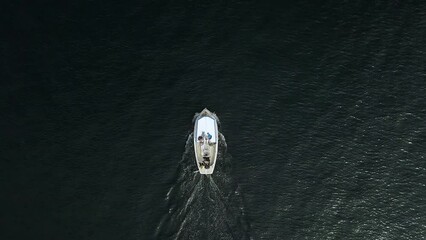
x: 206, y: 141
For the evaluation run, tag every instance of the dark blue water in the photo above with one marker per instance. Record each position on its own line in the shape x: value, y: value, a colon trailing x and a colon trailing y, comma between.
x: 322, y: 110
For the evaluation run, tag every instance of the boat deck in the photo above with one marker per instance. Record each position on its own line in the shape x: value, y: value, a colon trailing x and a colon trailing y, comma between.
x: 212, y: 151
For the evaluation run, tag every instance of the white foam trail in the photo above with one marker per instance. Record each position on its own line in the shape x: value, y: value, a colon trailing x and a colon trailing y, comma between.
x: 198, y: 203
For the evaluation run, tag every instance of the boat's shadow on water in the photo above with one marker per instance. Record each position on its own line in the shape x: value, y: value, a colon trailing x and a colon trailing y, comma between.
x: 204, y: 206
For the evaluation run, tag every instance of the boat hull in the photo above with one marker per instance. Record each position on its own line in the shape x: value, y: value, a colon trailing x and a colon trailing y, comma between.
x: 206, y: 136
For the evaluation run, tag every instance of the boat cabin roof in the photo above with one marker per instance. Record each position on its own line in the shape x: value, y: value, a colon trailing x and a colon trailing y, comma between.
x: 207, y: 125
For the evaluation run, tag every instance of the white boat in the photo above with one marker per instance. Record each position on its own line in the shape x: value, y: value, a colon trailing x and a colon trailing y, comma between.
x: 206, y: 141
